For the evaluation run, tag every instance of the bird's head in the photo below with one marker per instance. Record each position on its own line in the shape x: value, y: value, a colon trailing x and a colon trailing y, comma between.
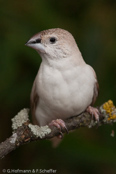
x: 53, y: 43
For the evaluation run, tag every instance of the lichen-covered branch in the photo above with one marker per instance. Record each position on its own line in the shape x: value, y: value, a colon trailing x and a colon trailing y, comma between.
x: 25, y: 132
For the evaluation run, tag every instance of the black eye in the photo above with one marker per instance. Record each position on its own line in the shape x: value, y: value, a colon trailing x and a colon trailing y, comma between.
x: 53, y: 40
x: 38, y: 40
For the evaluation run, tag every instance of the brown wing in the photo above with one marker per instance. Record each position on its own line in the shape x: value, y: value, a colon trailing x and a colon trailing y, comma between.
x: 95, y: 93
x: 34, y: 101
x: 96, y: 88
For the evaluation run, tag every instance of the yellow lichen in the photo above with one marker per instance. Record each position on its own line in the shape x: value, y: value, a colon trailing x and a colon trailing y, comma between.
x: 110, y: 109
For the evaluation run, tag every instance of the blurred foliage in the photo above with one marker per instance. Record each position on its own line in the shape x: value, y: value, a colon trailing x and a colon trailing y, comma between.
x: 93, y: 24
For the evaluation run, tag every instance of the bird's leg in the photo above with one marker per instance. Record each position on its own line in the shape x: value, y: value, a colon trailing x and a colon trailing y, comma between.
x: 94, y: 112
x: 59, y: 124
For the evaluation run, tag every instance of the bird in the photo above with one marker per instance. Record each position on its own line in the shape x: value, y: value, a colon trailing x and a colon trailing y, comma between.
x: 65, y: 84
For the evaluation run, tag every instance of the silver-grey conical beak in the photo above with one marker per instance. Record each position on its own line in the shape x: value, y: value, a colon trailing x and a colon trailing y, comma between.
x: 36, y: 44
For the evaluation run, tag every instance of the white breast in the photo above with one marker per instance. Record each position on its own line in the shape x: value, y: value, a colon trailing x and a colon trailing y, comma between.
x: 63, y: 93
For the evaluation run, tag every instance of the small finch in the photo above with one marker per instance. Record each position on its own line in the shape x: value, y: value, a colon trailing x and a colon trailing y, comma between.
x: 65, y: 85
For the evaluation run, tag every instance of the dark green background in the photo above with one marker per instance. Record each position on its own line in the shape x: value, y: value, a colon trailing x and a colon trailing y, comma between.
x: 93, y: 24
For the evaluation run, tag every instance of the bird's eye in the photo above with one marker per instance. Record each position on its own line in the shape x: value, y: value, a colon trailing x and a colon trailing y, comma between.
x: 38, y: 40
x: 53, y: 40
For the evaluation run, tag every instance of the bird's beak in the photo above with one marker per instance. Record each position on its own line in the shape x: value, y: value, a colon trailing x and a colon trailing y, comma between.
x: 36, y: 44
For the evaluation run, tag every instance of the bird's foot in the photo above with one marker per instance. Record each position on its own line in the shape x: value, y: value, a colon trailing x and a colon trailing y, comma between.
x: 60, y: 124
x: 94, y: 112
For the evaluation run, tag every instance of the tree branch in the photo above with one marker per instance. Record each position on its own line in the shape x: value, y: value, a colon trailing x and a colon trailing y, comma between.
x: 24, y: 132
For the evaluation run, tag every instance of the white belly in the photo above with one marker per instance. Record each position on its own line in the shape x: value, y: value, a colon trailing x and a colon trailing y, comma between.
x: 62, y: 95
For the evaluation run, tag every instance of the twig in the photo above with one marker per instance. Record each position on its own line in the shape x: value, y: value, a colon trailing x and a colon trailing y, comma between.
x: 24, y: 132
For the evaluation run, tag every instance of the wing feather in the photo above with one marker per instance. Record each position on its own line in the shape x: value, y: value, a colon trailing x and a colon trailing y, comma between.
x: 96, y: 92
x: 96, y: 88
